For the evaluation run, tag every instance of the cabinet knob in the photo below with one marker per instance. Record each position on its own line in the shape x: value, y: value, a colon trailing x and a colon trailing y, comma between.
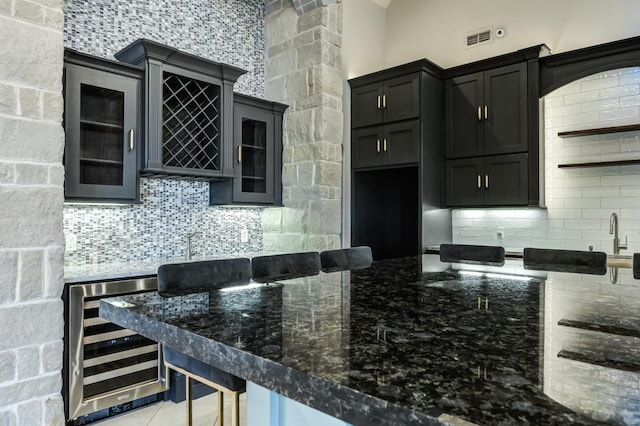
x: 131, y: 140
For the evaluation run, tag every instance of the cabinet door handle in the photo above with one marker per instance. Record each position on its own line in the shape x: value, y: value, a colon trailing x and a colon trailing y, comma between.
x: 379, y: 101
x: 239, y: 153
x: 479, y: 304
x: 486, y: 304
x: 378, y: 145
x: 384, y: 145
x: 486, y: 181
x: 384, y: 101
x: 486, y: 112
x: 479, y: 113
x: 131, y: 140
x: 479, y: 181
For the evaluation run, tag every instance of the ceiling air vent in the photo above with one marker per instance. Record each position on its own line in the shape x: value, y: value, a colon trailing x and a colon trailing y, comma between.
x: 477, y: 37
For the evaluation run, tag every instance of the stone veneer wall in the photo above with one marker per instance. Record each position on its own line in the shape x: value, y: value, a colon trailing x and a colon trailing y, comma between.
x: 304, y: 71
x: 579, y: 200
x: 31, y: 194
x: 220, y: 30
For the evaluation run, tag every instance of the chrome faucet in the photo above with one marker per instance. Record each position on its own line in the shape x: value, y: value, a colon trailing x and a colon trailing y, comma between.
x: 613, y: 229
x: 188, y: 248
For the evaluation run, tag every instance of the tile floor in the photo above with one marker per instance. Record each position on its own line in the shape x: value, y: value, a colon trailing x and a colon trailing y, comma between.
x: 168, y: 413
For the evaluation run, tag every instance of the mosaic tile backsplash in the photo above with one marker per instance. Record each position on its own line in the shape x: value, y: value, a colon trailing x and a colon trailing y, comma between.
x: 226, y: 31
x: 170, y: 210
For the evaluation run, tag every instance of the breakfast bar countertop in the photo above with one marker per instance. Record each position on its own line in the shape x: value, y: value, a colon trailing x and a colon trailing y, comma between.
x: 414, y: 341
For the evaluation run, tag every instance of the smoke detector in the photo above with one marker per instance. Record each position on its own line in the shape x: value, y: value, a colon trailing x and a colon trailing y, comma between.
x: 478, y: 37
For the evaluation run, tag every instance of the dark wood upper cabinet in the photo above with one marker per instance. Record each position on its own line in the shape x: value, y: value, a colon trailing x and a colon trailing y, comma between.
x: 463, y: 104
x: 464, y: 181
x: 396, y: 143
x: 487, y: 112
x: 506, y: 109
x: 188, y: 112
x: 392, y: 100
x: 492, y: 122
x: 506, y: 180
x: 497, y: 180
x: 257, y: 135
x: 102, y: 116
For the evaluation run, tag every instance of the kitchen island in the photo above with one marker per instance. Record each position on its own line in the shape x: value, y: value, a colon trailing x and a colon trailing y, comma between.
x: 413, y: 341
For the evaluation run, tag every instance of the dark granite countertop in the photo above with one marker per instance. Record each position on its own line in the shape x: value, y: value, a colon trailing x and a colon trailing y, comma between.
x: 394, y: 345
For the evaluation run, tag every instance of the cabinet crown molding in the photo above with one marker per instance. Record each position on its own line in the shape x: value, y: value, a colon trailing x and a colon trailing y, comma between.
x: 142, y: 50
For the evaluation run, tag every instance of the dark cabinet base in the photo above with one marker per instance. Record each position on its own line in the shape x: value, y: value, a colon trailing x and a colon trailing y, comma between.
x: 386, y: 212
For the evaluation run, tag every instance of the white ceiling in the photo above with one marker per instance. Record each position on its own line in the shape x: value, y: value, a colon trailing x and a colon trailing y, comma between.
x: 383, y: 3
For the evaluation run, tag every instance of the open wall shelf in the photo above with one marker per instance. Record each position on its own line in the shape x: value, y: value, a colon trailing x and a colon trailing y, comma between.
x: 600, y: 361
x: 603, y: 328
x: 599, y: 131
x: 601, y: 164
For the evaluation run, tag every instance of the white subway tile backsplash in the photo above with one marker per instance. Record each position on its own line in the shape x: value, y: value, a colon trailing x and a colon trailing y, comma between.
x: 583, y: 203
x: 620, y: 114
x: 601, y: 148
x: 581, y: 98
x: 630, y: 145
x: 624, y: 202
x: 601, y: 105
x: 601, y: 81
x: 556, y: 101
x: 581, y: 119
x: 595, y: 213
x: 620, y: 91
x: 581, y: 181
x: 627, y: 101
x: 601, y: 192
x: 562, y: 111
x: 582, y: 224
x: 630, y: 77
x: 630, y: 191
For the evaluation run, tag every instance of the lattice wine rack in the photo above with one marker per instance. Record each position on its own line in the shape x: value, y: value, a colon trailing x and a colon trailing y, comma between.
x: 191, y: 123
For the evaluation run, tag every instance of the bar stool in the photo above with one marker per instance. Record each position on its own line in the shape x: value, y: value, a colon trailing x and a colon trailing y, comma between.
x: 577, y: 261
x: 281, y: 266
x: 193, y: 277
x: 473, y: 254
x: 346, y: 258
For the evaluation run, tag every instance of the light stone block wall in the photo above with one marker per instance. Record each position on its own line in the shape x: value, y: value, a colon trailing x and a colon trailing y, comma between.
x: 31, y: 194
x: 579, y: 201
x: 304, y: 71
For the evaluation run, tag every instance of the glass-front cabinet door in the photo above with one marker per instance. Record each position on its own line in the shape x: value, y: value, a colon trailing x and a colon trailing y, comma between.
x: 254, y: 146
x: 101, y: 125
x: 255, y: 153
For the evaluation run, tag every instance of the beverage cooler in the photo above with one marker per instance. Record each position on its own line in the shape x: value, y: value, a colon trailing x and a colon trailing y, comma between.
x: 107, y: 368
